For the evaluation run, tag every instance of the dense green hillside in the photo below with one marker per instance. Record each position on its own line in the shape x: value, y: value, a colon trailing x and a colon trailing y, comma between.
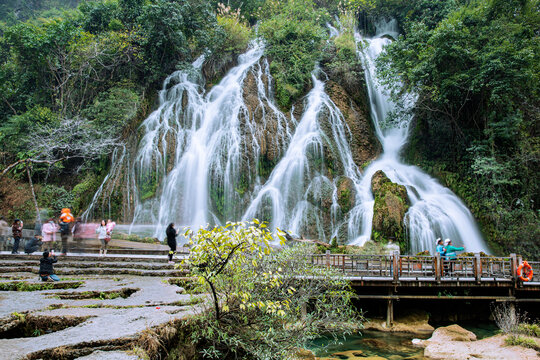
x: 473, y: 64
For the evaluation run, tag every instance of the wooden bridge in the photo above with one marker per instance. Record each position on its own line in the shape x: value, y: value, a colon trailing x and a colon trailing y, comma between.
x: 397, y: 277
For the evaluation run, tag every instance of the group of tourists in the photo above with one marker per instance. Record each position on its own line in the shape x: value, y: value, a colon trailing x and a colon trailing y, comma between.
x: 45, y: 235
x: 448, y: 252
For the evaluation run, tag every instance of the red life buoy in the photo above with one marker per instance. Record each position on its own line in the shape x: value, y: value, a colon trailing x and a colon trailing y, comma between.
x: 527, y: 274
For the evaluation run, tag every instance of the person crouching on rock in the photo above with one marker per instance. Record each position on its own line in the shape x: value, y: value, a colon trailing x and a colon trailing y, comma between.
x: 46, y: 271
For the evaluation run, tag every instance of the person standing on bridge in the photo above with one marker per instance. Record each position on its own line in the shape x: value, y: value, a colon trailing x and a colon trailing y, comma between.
x: 171, y: 233
x: 451, y: 254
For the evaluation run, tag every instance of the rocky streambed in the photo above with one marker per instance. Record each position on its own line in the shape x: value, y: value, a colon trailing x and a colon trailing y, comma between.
x: 412, y: 337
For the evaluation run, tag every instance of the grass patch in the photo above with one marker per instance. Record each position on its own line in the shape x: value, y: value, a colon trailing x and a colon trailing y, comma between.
x: 98, y: 295
x: 189, y: 284
x: 529, y: 329
x: 519, y: 340
x: 29, y: 286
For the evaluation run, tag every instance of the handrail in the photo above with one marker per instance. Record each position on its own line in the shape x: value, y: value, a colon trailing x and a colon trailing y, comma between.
x: 474, y: 268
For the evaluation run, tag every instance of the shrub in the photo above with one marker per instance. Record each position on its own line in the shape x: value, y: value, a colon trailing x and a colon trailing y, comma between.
x: 265, y: 303
x: 295, y: 34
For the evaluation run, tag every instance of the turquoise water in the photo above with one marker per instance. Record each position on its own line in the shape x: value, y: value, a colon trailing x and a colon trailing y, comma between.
x: 368, y: 343
x: 390, y: 346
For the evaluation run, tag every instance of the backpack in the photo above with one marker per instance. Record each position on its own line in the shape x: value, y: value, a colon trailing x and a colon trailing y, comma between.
x: 64, y: 228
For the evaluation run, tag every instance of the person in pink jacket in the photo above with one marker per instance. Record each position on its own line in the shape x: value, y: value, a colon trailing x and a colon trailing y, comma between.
x: 49, y: 230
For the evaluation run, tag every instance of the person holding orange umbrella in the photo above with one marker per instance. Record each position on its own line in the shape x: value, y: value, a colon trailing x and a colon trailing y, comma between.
x: 66, y: 218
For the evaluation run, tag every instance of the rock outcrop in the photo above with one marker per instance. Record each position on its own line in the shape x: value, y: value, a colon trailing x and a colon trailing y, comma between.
x: 415, y: 322
x: 364, y: 145
x: 391, y: 204
x: 455, y: 343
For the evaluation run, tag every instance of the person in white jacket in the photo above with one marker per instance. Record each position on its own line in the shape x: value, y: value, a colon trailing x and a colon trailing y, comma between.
x: 101, y: 230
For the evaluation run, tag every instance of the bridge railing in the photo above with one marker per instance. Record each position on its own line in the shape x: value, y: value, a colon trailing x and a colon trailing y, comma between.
x: 414, y: 266
x: 496, y: 267
x: 359, y: 265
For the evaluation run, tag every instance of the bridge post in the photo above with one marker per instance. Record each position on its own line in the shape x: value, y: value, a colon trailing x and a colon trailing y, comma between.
x: 389, y: 313
x: 395, y: 266
x: 437, y: 267
x: 477, y: 268
x: 513, y: 267
x: 327, y: 258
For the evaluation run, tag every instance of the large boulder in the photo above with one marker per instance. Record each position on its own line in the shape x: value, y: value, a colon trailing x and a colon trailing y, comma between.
x: 452, y: 333
x: 455, y: 343
x: 415, y: 322
x: 391, y: 204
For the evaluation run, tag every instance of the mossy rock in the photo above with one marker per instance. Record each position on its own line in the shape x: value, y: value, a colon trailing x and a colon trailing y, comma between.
x: 391, y: 204
x: 346, y: 194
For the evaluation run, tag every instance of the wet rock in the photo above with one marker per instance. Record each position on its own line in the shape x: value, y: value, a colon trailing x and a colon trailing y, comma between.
x: 364, y: 144
x: 441, y: 346
x: 346, y: 194
x: 351, y: 354
x: 416, y: 322
x: 391, y: 204
x: 303, y: 354
x: 452, y: 333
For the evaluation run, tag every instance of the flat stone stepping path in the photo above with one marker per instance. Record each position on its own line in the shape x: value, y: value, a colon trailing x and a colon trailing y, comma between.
x: 110, y: 305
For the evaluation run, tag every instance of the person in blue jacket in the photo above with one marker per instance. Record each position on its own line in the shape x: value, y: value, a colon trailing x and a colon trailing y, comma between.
x: 440, y: 247
x: 451, y: 253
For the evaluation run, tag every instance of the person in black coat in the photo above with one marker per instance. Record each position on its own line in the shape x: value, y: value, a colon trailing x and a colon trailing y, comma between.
x: 46, y: 270
x: 171, y: 233
x: 32, y: 245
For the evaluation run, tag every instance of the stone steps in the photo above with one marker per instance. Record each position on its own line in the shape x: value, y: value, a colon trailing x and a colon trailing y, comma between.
x: 90, y: 264
x: 98, y: 271
x: 90, y: 257
x: 163, y: 265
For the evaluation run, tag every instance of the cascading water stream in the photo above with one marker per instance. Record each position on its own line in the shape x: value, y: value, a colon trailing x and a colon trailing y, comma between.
x: 285, y: 197
x: 200, y: 159
x: 194, y: 144
x: 435, y: 211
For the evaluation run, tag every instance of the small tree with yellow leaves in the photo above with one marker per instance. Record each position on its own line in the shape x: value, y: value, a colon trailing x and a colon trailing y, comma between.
x: 265, y: 301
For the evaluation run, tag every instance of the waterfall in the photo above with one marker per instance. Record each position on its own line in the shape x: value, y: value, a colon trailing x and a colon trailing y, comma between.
x: 299, y: 177
x: 198, y: 148
x: 229, y: 153
x: 435, y: 211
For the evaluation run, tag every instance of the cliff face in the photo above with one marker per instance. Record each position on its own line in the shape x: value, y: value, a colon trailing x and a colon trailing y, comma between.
x: 266, y: 133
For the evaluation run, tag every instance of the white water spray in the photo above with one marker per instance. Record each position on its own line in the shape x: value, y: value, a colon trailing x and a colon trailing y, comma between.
x: 435, y: 211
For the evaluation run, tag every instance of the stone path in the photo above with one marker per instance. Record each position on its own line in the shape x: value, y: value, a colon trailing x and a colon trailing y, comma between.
x: 110, y: 321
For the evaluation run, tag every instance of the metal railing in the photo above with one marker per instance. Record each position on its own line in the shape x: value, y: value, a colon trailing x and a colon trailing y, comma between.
x: 404, y: 267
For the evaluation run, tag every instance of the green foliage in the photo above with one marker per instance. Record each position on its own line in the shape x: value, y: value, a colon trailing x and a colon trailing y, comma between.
x: 529, y: 329
x: 518, y: 340
x: 258, y: 294
x: 55, y: 198
x: 172, y: 31
x: 83, y: 192
x: 340, y: 61
x: 237, y: 33
x: 26, y: 286
x: 295, y: 34
x: 113, y: 108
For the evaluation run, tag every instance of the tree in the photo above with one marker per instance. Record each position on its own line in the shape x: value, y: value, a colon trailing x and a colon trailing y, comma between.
x: 53, y: 143
x: 264, y: 302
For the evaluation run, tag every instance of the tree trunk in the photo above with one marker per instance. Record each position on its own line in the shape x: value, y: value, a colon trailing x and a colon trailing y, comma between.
x: 38, y: 217
x: 216, y: 301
